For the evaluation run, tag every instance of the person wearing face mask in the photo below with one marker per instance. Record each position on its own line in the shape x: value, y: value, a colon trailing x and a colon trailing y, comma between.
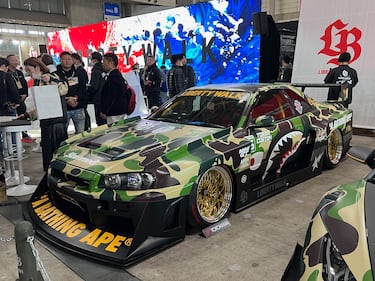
x: 53, y: 130
x: 76, y: 97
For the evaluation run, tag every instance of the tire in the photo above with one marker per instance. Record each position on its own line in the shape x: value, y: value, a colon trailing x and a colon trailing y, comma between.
x: 211, y: 199
x: 334, y: 150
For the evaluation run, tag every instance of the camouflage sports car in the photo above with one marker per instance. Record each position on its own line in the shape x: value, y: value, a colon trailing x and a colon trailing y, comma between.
x: 340, y: 239
x: 123, y: 192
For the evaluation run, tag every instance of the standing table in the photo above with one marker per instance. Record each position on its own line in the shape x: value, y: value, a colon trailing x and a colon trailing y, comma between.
x: 7, y: 128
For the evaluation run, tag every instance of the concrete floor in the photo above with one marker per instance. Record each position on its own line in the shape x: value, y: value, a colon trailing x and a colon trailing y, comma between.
x: 256, y: 247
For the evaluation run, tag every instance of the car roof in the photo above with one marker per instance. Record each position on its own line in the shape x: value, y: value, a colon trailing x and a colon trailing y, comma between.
x: 238, y: 87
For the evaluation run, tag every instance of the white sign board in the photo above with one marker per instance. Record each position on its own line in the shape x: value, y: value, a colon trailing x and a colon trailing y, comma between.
x: 327, y: 28
x: 47, y: 101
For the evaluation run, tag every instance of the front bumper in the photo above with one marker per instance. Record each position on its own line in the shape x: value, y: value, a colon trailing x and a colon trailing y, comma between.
x: 115, y: 232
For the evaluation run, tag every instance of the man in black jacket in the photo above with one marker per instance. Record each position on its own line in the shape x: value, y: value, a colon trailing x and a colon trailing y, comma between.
x: 190, y: 79
x: 345, y: 76
x: 22, y: 88
x: 176, y: 77
x: 114, y: 102
x: 76, y: 98
x: 20, y: 81
x: 152, y: 81
x: 9, y: 97
x: 79, y: 66
x: 96, y: 85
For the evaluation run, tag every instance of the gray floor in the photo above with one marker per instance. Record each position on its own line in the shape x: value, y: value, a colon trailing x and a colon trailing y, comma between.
x: 256, y: 247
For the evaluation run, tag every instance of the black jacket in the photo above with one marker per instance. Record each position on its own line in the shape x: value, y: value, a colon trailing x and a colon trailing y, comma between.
x: 18, y: 76
x: 114, y: 98
x: 343, y: 74
x: 76, y: 89
x: 190, y: 79
x: 154, y: 74
x: 8, y: 93
x: 175, y: 80
x: 96, y: 84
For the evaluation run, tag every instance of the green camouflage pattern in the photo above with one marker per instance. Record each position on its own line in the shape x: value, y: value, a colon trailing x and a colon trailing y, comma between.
x: 176, y: 154
x: 259, y: 139
x: 340, y: 215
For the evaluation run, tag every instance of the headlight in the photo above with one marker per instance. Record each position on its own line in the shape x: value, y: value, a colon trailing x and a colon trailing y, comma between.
x: 334, y: 266
x: 130, y: 181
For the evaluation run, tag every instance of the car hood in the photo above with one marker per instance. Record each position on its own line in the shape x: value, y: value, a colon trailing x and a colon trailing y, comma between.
x: 133, y: 146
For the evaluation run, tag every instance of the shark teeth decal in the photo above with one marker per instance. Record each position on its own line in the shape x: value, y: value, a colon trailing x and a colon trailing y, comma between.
x: 286, y: 146
x: 290, y: 153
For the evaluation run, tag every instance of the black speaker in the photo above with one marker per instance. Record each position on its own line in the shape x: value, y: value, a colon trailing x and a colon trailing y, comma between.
x: 269, y: 53
x: 43, y: 49
x: 260, y: 23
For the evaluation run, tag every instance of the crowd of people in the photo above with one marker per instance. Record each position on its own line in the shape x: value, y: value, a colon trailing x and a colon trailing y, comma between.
x: 105, y: 88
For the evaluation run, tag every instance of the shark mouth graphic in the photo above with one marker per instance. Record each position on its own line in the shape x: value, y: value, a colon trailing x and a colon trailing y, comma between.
x: 283, y: 150
x: 289, y: 153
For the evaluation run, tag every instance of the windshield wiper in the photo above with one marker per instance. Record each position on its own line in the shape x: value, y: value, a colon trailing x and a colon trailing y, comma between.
x: 205, y: 124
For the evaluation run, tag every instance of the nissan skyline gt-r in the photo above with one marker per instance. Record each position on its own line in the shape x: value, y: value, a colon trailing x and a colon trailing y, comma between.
x: 124, y: 192
x: 340, y: 239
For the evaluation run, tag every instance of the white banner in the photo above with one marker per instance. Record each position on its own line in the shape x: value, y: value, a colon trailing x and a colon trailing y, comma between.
x: 140, y: 106
x: 327, y: 28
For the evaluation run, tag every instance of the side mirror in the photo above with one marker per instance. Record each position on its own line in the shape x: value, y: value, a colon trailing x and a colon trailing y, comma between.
x: 365, y: 155
x: 264, y: 121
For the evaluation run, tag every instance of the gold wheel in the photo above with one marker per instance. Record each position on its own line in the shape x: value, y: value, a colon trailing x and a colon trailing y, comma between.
x: 214, y: 194
x: 334, y: 148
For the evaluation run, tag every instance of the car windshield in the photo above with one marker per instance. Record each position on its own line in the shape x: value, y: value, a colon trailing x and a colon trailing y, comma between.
x: 203, y: 108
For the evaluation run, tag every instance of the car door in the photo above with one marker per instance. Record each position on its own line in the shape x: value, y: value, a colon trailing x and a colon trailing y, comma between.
x: 278, y: 136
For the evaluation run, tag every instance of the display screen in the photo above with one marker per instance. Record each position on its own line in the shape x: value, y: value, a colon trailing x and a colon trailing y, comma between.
x: 217, y: 38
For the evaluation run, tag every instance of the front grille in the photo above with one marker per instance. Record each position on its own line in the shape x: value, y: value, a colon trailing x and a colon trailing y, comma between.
x: 59, y: 176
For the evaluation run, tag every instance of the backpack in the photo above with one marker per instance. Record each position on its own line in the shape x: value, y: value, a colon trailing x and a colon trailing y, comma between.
x: 130, y: 93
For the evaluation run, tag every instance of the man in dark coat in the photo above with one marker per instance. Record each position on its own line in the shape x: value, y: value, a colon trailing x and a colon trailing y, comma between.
x: 286, y: 69
x: 190, y: 79
x: 96, y: 86
x: 9, y: 97
x: 79, y: 66
x: 345, y: 76
x: 176, y: 77
x: 20, y: 81
x: 114, y: 98
x: 22, y: 88
x: 152, y: 81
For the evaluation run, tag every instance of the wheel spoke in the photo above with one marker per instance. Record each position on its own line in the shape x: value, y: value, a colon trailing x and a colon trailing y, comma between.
x: 214, y: 194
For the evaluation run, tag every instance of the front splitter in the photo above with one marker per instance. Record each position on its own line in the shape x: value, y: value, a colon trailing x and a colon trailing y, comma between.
x: 82, y: 238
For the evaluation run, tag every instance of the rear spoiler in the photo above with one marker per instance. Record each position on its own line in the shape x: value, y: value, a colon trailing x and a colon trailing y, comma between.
x: 303, y: 86
x: 343, y: 95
